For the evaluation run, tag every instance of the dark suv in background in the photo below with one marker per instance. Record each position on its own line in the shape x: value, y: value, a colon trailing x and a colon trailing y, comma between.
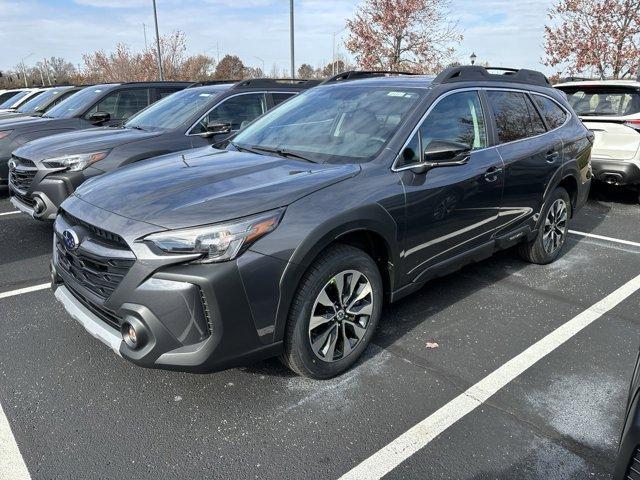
x: 98, y: 105
x: 351, y: 194
x: 46, y: 171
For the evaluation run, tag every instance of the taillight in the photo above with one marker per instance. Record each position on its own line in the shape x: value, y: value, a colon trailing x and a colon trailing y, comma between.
x: 635, y: 124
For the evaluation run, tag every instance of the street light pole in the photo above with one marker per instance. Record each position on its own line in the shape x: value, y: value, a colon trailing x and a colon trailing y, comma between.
x: 293, y: 60
x: 155, y: 18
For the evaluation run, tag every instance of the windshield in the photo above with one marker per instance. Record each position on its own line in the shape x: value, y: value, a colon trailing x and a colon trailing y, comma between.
x: 172, y: 111
x: 32, y: 105
x: 333, y: 124
x: 76, y: 104
x: 15, y: 99
x: 604, y: 101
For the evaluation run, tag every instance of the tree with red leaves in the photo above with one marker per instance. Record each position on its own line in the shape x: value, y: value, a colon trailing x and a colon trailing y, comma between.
x: 601, y: 36
x: 413, y: 35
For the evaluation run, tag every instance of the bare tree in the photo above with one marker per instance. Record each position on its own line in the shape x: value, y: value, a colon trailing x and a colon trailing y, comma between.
x: 306, y: 71
x: 597, y: 35
x: 413, y: 35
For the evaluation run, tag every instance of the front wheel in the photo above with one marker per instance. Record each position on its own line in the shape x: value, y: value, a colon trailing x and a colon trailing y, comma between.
x: 334, y: 313
x: 552, y: 232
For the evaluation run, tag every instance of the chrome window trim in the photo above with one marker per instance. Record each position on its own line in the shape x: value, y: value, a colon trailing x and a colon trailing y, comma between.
x: 188, y: 134
x: 477, y: 89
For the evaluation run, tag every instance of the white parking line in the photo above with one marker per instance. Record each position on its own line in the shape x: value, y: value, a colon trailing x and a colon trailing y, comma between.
x: 608, y: 239
x: 12, y: 466
x: 20, y: 291
x: 420, y: 435
x: 8, y: 213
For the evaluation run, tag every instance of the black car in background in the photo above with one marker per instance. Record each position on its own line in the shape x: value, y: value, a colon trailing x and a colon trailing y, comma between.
x: 351, y: 194
x: 38, y: 106
x: 99, y: 105
x: 628, y: 463
x: 46, y: 171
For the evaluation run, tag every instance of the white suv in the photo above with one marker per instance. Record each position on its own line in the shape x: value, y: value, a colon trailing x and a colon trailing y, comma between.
x: 610, y: 109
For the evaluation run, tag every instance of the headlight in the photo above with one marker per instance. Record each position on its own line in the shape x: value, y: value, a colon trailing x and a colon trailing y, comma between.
x: 219, y: 242
x: 5, y: 134
x: 75, y: 162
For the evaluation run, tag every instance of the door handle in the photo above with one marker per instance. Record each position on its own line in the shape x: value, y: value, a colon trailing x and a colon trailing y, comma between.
x: 552, y: 156
x: 491, y: 175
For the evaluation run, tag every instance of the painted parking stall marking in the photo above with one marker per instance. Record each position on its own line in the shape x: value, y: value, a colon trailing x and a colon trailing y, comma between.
x: 602, y: 237
x: 12, y: 466
x: 420, y: 435
x: 8, y: 213
x: 20, y: 291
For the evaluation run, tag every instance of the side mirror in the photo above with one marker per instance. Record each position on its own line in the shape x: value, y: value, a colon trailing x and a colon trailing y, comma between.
x: 100, y: 117
x: 443, y: 153
x: 217, y: 128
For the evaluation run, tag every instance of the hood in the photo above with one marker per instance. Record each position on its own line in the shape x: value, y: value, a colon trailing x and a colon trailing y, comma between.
x: 81, y: 141
x: 206, y: 186
x: 6, y: 123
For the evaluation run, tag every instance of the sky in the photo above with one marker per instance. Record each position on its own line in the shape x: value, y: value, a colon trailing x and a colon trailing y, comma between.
x: 501, y: 32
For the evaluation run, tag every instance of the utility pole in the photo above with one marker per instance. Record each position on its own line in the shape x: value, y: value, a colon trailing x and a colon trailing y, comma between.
x: 144, y: 31
x: 293, y: 59
x: 155, y: 18
x: 41, y: 76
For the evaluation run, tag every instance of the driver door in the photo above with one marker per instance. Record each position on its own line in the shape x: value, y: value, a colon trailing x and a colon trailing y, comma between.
x: 450, y: 210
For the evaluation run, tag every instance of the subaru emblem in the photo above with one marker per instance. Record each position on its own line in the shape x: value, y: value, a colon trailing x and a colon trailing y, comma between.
x: 71, y: 240
x: 12, y: 164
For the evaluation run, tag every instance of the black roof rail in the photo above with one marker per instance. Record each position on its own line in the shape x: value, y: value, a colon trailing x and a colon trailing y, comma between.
x: 359, y: 74
x: 471, y: 73
x: 206, y: 83
x: 154, y: 82
x: 276, y: 83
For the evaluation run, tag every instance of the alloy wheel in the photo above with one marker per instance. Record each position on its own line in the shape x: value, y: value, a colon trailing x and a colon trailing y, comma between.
x: 341, y: 315
x: 555, y: 226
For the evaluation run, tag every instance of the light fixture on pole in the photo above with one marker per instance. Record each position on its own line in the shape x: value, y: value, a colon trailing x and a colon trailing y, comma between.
x: 155, y: 18
x: 473, y: 58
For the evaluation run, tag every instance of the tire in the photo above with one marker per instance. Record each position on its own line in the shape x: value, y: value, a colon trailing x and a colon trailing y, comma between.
x: 540, y: 250
x: 327, y: 348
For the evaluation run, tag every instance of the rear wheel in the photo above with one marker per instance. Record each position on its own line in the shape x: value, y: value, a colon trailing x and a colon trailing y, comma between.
x: 552, y: 231
x: 334, y: 313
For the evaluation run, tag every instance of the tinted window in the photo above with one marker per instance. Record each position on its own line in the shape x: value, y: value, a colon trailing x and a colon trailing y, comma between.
x: 281, y: 97
x: 456, y: 118
x: 166, y: 91
x: 63, y: 97
x: 553, y: 114
x: 76, y: 104
x: 536, y: 120
x: 174, y: 110
x: 237, y: 111
x: 122, y: 104
x: 338, y: 124
x: 512, y: 112
x: 603, y: 101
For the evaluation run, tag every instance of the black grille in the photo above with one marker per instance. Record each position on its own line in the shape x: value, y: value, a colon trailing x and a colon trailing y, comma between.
x: 104, y: 314
x: 24, y: 198
x: 633, y: 471
x: 21, y: 179
x: 25, y: 162
x: 98, y: 232
x: 99, y: 275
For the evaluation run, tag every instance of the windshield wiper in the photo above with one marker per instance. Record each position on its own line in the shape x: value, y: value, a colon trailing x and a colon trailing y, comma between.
x: 281, y: 153
x: 241, y: 149
x: 136, y: 127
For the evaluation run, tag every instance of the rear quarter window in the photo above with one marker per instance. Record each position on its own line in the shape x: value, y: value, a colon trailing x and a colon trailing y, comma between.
x: 553, y: 114
x: 515, y: 116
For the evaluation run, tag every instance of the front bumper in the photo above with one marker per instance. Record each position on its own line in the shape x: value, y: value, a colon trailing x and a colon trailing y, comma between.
x: 195, y: 318
x: 616, y: 172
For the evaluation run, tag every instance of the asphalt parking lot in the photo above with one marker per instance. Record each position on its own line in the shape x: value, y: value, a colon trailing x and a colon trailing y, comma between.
x: 78, y: 411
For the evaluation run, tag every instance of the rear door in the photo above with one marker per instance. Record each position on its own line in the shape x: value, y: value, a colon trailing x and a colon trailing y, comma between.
x: 531, y: 155
x: 121, y: 105
x: 450, y: 210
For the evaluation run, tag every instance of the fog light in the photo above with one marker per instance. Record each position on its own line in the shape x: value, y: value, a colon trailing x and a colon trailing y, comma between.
x: 129, y: 335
